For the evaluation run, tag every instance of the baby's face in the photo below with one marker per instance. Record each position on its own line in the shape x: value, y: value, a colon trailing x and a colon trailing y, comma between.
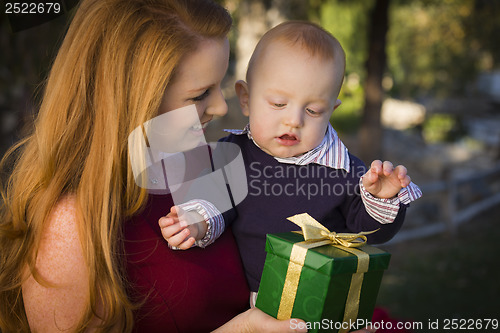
x: 291, y: 98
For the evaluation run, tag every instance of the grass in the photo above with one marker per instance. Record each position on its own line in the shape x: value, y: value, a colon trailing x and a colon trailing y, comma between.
x: 446, y: 277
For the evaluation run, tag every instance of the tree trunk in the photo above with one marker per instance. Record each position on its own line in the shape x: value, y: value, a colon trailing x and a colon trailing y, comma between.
x: 370, y: 134
x: 251, y: 26
x: 258, y: 16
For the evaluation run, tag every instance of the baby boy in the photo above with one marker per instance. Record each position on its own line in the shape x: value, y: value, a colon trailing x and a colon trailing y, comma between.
x: 294, y: 160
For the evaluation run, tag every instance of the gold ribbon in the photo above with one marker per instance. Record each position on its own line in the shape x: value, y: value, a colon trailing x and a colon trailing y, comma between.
x: 315, y: 231
x: 315, y: 235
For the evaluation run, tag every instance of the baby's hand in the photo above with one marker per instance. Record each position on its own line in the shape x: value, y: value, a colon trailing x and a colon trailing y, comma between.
x: 384, y: 181
x: 180, y: 228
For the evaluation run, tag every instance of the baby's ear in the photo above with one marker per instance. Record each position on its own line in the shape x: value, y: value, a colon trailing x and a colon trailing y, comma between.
x: 337, y: 104
x: 241, y: 88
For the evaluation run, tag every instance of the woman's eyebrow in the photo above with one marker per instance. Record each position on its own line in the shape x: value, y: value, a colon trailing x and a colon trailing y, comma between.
x: 200, y: 89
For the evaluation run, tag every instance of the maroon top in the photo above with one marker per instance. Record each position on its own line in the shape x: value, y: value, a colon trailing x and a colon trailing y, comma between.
x: 196, y: 290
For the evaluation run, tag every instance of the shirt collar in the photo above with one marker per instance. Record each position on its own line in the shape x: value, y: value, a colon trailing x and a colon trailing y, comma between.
x: 331, y: 152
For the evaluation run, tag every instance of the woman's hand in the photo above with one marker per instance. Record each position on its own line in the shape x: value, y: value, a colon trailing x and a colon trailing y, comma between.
x: 254, y: 320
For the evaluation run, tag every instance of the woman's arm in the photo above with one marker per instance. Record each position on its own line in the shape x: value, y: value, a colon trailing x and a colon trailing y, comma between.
x: 61, y: 262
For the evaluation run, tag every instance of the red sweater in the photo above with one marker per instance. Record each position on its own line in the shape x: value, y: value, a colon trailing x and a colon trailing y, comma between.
x: 196, y: 290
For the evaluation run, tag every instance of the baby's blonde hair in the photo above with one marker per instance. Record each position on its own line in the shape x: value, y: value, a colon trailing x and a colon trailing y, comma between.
x: 305, y: 36
x: 108, y: 78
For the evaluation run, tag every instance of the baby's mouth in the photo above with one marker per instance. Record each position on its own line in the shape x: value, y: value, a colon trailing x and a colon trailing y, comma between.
x: 288, y: 137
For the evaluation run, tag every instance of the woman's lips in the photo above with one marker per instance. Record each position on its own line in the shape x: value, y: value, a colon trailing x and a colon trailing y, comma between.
x: 198, y: 129
x: 288, y: 139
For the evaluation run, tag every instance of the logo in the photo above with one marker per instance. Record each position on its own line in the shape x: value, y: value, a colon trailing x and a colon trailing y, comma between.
x: 169, y: 155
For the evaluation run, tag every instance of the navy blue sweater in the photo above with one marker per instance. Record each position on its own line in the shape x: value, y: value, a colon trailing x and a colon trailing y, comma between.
x: 277, y: 191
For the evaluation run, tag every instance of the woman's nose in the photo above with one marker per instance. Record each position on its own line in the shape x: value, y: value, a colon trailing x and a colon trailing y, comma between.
x: 219, y: 105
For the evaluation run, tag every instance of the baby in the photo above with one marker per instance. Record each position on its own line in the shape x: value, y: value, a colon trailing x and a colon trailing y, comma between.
x: 294, y: 160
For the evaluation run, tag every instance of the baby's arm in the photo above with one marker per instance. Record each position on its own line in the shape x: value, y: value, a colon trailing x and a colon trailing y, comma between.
x: 197, y: 222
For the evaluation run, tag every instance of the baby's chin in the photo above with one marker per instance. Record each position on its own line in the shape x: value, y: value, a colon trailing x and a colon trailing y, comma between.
x: 285, y: 154
x: 280, y: 152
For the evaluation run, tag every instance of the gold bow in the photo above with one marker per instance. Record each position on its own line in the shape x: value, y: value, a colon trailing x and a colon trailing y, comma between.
x: 315, y: 235
x: 315, y: 231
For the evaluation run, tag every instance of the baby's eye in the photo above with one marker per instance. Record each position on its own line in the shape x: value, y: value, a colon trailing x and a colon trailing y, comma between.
x: 312, y: 112
x: 279, y: 105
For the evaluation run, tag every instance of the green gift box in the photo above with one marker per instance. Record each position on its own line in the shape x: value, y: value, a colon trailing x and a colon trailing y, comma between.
x: 332, y: 294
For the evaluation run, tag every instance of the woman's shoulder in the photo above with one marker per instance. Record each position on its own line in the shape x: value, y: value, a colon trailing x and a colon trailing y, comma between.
x: 60, y: 257
x: 62, y: 222
x: 60, y: 262
x: 64, y: 210
x: 60, y: 247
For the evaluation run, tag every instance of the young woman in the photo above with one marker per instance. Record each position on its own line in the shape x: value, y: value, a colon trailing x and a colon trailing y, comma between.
x: 77, y: 251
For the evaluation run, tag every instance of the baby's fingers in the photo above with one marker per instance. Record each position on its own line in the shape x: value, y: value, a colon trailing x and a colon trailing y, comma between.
x: 376, y: 167
x: 188, y: 243
x: 170, y: 226
x: 175, y: 239
x: 166, y: 221
x: 176, y: 211
x: 403, y: 177
x: 388, y: 168
x: 401, y: 171
x: 372, y: 175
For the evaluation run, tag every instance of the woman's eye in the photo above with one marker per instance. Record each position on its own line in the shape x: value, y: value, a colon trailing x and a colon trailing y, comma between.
x: 279, y: 105
x: 202, y: 96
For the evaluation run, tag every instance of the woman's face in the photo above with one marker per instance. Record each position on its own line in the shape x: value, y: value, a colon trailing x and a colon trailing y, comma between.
x: 194, y: 97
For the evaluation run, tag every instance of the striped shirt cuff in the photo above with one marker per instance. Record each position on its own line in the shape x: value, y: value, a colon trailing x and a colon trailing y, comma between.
x: 410, y: 193
x: 385, y: 210
x: 211, y: 215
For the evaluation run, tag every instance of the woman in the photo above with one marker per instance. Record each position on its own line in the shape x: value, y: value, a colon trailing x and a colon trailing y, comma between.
x: 76, y: 250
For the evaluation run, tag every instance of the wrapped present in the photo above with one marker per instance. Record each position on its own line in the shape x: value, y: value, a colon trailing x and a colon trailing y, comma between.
x: 329, y: 280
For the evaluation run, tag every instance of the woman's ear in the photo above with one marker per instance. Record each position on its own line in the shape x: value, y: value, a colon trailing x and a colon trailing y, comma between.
x: 241, y: 88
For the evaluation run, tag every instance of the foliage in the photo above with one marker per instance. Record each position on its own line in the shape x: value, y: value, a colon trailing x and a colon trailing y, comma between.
x: 438, y: 128
x: 435, y: 49
x: 347, y: 21
x: 429, y: 51
x: 347, y: 117
x: 484, y: 26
